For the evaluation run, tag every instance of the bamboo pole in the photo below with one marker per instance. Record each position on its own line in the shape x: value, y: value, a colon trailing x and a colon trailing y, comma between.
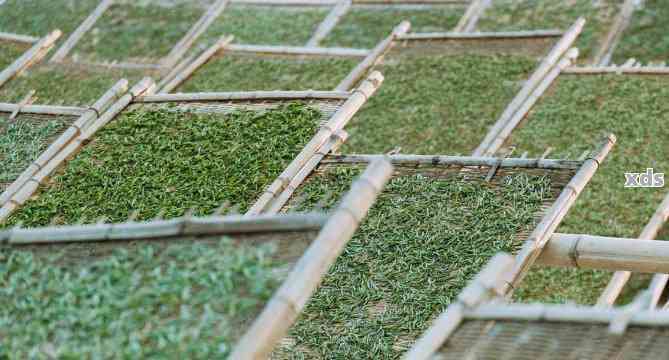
x: 355, y: 2
x: 415, y: 160
x: 43, y: 109
x: 485, y: 285
x: 620, y: 278
x: 606, y: 253
x: 373, y: 58
x: 337, y: 122
x: 5, y: 36
x: 605, y: 52
x: 531, y: 34
x: 289, y: 300
x: 31, y: 56
x: 86, y: 25
x: 75, y: 129
x: 472, y: 15
x: 184, y: 226
x: 296, y: 50
x: 243, y: 95
x: 550, y: 61
x: 593, y: 70
x: 335, y: 141
x: 564, y: 313
x: 538, y: 239
x: 194, y: 33
x: 659, y: 281
x: 498, y: 141
x: 329, y: 23
x: 30, y: 186
x: 174, y: 80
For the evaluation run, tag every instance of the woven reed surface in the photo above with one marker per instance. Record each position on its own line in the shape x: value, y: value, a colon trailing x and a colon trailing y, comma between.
x: 478, y: 339
x: 528, y: 47
x: 327, y: 107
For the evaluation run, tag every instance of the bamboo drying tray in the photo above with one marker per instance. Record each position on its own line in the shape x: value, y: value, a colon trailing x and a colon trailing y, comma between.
x: 309, y: 253
x: 475, y: 327
x: 164, y: 64
x: 337, y: 109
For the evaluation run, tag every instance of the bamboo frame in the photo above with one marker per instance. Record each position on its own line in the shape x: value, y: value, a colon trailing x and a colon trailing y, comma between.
x: 494, y: 138
x: 540, y: 236
x: 169, y: 61
x: 438, y: 160
x: 373, y: 57
x: 329, y: 23
x: 470, y: 18
x: 622, y: 21
x: 286, y: 304
x: 357, y: 98
x: 31, y: 56
x: 159, y: 229
x: 70, y: 142
x: 243, y: 95
x: 484, y: 286
x: 659, y: 281
x: 606, y: 253
x: 620, y: 278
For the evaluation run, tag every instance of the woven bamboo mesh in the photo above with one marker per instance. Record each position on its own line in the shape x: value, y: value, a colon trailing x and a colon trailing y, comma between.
x: 531, y: 340
x: 438, y: 45
x: 53, y: 125
x: 327, y: 107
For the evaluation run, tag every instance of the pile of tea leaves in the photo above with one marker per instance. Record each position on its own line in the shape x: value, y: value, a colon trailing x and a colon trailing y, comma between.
x: 188, y: 299
x: 518, y: 15
x: 150, y: 160
x: 364, y: 28
x: 436, y: 104
x: 421, y: 242
x: 240, y: 73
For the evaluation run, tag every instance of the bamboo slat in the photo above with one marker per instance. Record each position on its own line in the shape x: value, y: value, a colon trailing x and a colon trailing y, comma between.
x: 373, y: 58
x: 5, y: 36
x: 498, y: 141
x: 482, y: 35
x: 539, y: 237
x: 550, y: 61
x: 32, y: 55
x: 244, y: 95
x: 620, y: 278
x: 659, y: 281
x: 329, y: 23
x: 296, y: 50
x: 173, y: 80
x: 597, y: 70
x: 289, y: 300
x: 43, y: 109
x: 485, y: 285
x: 355, y: 2
x: 74, y: 130
x: 606, y: 253
x: 86, y: 25
x: 67, y: 150
x: 563, y: 313
x: 335, y: 141
x: 337, y: 122
x: 185, y: 226
x: 178, y: 51
x: 403, y: 159
x: 470, y: 18
x: 622, y: 21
